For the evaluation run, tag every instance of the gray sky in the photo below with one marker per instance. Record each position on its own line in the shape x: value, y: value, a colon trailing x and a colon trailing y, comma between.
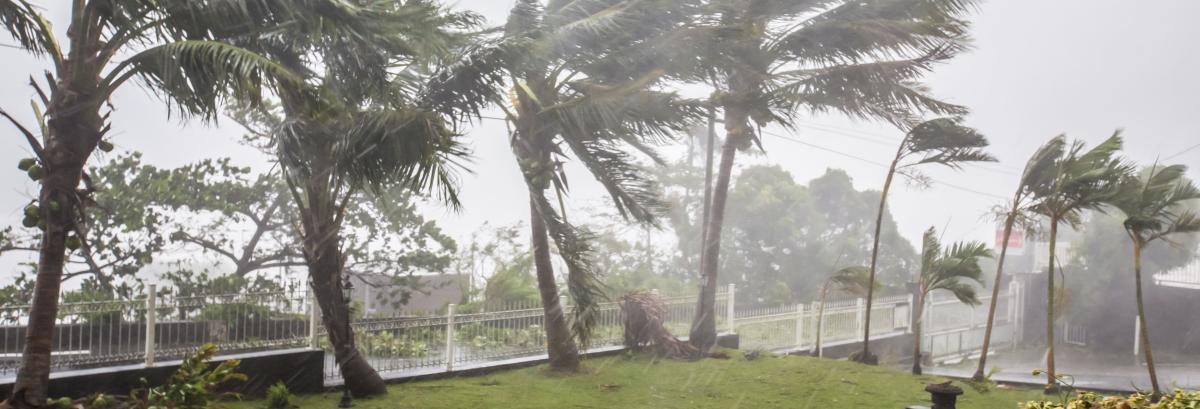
x: 1040, y: 68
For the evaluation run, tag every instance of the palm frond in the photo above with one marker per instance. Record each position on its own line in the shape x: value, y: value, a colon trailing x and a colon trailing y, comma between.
x: 583, y: 282
x: 26, y: 26
x: 853, y: 280
x: 945, y: 141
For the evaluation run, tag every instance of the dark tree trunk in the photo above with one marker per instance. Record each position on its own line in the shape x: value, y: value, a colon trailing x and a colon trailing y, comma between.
x: 75, y: 129
x: 1144, y: 331
x: 323, y: 254
x: 560, y: 345
x: 918, y: 311
x: 991, y: 319
x: 703, y: 334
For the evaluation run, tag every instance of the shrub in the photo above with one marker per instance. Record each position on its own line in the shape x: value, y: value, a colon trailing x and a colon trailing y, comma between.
x: 194, y: 385
x: 1088, y: 400
x: 279, y: 397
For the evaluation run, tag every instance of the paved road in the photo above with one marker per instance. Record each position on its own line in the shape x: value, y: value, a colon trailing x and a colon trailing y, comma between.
x: 1106, y: 374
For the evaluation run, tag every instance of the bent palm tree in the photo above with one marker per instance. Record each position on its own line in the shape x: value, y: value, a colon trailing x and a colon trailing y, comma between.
x: 1079, y: 180
x: 852, y: 280
x: 1017, y: 214
x: 942, y: 141
x: 1155, y: 207
x: 951, y: 270
x: 770, y: 60
x: 359, y: 128
x: 576, y: 86
x: 169, y: 45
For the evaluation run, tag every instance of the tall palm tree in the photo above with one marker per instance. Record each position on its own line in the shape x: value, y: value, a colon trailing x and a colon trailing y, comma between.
x: 1018, y: 214
x: 167, y: 44
x: 1079, y: 180
x: 359, y: 128
x: 852, y: 280
x: 768, y: 61
x: 1155, y: 203
x: 942, y: 141
x: 953, y: 270
x: 576, y: 84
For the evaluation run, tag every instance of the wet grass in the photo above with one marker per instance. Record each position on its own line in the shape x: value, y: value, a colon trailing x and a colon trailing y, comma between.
x: 631, y: 381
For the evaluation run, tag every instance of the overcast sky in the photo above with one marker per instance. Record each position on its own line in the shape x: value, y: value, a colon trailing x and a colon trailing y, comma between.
x: 1039, y: 68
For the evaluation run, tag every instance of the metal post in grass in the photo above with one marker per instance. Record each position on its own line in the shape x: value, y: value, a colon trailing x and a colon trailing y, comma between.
x: 729, y: 309
x: 450, y: 337
x: 151, y: 317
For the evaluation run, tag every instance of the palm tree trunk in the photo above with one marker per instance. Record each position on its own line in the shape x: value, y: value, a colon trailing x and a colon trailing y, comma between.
x: 1051, y: 379
x: 820, y: 320
x: 991, y: 319
x: 918, y: 311
x: 326, y: 265
x: 1141, y: 309
x: 563, y: 353
x: 710, y: 148
x: 865, y: 355
x: 74, y: 132
x: 703, y: 333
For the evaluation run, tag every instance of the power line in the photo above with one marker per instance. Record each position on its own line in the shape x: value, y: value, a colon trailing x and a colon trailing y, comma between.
x: 1180, y: 153
x: 885, y: 166
x: 878, y: 139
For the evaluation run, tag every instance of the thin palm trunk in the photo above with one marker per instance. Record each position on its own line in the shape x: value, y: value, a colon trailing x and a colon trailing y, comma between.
x: 918, y: 312
x: 323, y: 255
x: 75, y: 130
x: 1144, y: 331
x: 991, y: 319
x: 820, y: 321
x: 563, y: 353
x: 708, y: 176
x: 1051, y: 376
x: 703, y: 334
x: 865, y: 356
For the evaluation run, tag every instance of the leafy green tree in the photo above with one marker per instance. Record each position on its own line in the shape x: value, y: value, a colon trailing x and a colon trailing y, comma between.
x: 850, y: 280
x: 954, y: 269
x: 769, y: 61
x: 1017, y: 214
x: 1079, y: 180
x: 576, y: 86
x: 361, y: 125
x: 942, y: 141
x: 1155, y: 203
x: 169, y: 45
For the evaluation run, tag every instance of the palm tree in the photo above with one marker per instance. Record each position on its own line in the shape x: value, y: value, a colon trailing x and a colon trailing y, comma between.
x: 942, y: 141
x: 951, y: 270
x: 576, y: 84
x: 1079, y: 180
x: 851, y: 280
x: 361, y: 128
x: 770, y: 60
x: 1018, y: 214
x: 1155, y: 206
x: 167, y: 44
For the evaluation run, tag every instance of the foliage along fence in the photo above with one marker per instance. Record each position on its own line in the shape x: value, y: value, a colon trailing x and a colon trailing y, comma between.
x: 97, y: 334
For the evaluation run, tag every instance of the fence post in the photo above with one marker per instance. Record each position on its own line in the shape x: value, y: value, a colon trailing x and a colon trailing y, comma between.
x: 799, y: 325
x: 450, y: 337
x: 912, y: 307
x: 860, y: 306
x: 312, y: 319
x: 1137, y: 341
x: 729, y: 308
x: 151, y: 315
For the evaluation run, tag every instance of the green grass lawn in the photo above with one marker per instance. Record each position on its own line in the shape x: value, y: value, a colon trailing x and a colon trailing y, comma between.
x: 641, y: 382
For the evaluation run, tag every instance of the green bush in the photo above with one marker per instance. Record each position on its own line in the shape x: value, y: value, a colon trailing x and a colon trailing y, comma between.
x: 1088, y: 400
x: 193, y: 386
x: 279, y: 397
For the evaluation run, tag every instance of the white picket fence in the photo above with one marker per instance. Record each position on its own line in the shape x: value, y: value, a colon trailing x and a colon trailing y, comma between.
x: 156, y: 328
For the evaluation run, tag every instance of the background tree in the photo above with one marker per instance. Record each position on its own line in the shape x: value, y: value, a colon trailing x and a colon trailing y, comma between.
x: 850, y: 280
x: 169, y: 46
x: 942, y: 141
x: 954, y: 269
x: 770, y: 60
x: 1155, y: 207
x: 577, y: 87
x: 1079, y: 180
x: 1017, y: 214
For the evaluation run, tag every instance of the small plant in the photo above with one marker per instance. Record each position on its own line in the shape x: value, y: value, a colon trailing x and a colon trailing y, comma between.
x: 757, y: 353
x: 60, y: 403
x: 102, y: 401
x: 1089, y: 400
x: 193, y: 386
x: 279, y: 397
x: 986, y: 384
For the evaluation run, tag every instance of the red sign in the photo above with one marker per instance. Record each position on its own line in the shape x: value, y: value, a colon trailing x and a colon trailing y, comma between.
x: 1016, y: 240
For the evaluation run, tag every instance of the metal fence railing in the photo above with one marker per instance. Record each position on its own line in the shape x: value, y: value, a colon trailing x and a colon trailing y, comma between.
x: 794, y: 327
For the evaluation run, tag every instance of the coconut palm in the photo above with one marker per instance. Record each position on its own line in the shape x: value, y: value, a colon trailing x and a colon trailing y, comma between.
x: 955, y: 270
x: 575, y: 85
x: 1018, y: 214
x: 359, y: 129
x: 1079, y: 180
x: 770, y: 61
x: 942, y: 141
x: 169, y: 45
x: 1155, y: 203
x: 851, y: 280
